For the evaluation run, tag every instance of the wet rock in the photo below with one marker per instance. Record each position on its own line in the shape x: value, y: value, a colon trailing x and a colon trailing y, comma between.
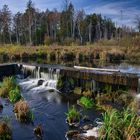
x: 72, y: 133
x: 76, y: 135
x: 38, y: 131
x: 74, y: 124
x: 40, y: 82
x: 87, y: 127
x: 51, y: 90
x: 92, y: 133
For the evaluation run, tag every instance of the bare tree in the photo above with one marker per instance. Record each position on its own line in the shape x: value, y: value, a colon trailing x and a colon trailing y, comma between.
x: 137, y: 21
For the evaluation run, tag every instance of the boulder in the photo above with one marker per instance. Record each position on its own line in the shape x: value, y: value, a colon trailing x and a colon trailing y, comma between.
x: 40, y: 82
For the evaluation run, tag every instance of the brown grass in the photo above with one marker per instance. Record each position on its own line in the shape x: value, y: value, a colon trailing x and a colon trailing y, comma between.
x: 21, y: 109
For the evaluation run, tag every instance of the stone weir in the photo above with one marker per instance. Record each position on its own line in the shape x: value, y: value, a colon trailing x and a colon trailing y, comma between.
x: 82, y: 76
x: 9, y: 70
x: 107, y: 76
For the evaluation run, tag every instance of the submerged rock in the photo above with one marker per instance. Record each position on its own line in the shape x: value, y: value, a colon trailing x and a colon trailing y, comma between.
x: 38, y: 131
x: 72, y: 133
x: 40, y: 82
x: 87, y: 127
x: 76, y: 135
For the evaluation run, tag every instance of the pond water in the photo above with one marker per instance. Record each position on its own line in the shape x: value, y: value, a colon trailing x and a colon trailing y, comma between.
x: 47, y: 106
x: 48, y: 110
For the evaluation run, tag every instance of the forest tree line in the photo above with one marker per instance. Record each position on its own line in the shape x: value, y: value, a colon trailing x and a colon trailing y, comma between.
x: 38, y: 28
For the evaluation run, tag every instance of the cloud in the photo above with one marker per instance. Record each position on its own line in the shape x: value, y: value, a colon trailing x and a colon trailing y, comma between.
x: 120, y: 12
x: 109, y: 8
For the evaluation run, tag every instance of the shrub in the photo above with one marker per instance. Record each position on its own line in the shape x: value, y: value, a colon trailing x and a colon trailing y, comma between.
x: 86, y: 102
x: 5, y: 132
x: 73, y: 115
x: 22, y: 111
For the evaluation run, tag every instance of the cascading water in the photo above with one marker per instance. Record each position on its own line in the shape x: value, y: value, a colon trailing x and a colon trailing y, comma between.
x: 42, y: 79
x: 50, y: 78
x: 139, y: 85
x: 29, y: 70
x: 93, y: 85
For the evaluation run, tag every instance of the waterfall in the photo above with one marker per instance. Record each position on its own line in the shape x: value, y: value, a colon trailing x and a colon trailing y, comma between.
x: 93, y: 85
x: 139, y: 85
x: 49, y: 76
x: 28, y: 70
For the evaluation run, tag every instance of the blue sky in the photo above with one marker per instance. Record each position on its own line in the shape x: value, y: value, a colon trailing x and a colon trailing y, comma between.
x: 108, y: 8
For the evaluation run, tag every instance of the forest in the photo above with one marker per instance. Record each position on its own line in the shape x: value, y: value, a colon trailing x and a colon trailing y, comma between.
x: 66, y: 27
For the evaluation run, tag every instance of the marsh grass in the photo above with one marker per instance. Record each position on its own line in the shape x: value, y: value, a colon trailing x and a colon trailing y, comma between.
x: 22, y: 111
x: 120, y: 125
x: 73, y: 115
x: 10, y: 89
x: 86, y: 102
x: 7, y: 84
x: 14, y: 94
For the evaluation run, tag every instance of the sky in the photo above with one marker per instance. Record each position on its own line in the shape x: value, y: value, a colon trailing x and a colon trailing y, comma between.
x: 122, y: 12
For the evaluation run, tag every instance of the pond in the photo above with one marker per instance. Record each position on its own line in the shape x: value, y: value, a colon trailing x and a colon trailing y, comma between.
x: 48, y: 109
x: 46, y: 103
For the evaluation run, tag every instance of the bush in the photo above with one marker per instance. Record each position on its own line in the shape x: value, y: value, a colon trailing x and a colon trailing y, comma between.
x: 5, y: 132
